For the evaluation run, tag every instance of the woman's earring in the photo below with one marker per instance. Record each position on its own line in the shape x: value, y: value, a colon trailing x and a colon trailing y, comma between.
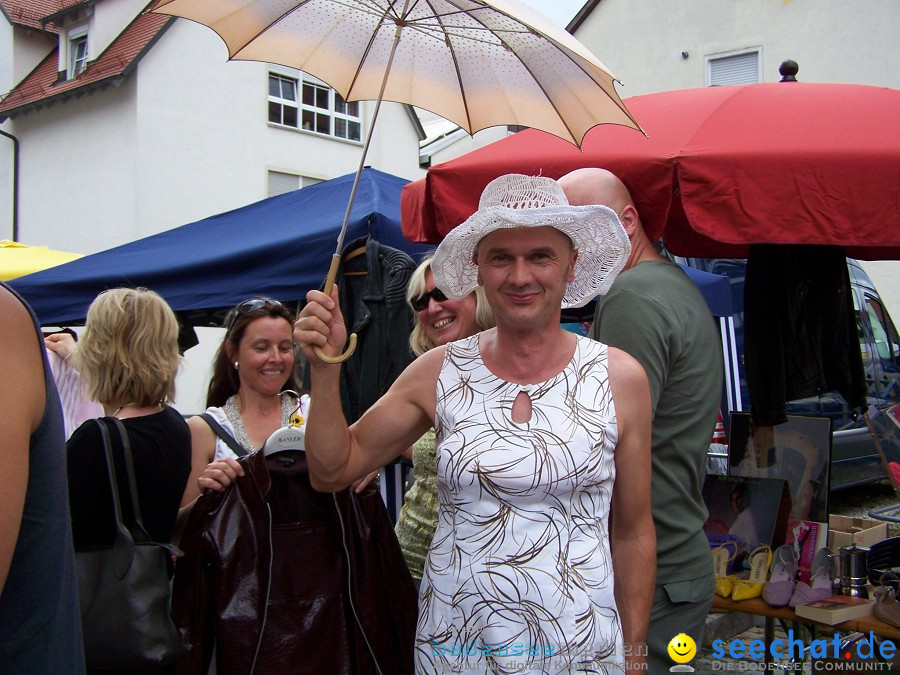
x: 235, y: 365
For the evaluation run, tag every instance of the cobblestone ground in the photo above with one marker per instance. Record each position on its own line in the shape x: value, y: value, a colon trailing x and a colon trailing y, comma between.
x: 855, y: 502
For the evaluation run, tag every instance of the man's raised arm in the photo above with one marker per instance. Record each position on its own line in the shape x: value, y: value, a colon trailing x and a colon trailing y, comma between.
x: 338, y: 454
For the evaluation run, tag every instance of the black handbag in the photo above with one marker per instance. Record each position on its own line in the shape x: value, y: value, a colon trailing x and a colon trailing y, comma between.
x: 124, y: 589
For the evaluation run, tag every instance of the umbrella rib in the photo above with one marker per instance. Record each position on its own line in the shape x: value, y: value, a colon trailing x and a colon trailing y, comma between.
x: 375, y: 11
x: 507, y: 46
x: 262, y: 30
x: 462, y: 89
x: 368, y: 49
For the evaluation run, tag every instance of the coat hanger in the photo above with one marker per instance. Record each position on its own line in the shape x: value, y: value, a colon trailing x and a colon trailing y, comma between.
x: 288, y: 437
x: 350, y: 255
x: 355, y: 253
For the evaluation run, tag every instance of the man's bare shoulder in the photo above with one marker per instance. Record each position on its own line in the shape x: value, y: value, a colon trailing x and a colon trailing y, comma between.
x: 624, y: 369
x: 424, y: 371
x: 20, y: 361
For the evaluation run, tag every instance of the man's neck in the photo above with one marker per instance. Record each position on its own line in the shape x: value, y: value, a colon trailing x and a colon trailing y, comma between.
x: 642, y: 251
x: 527, y: 357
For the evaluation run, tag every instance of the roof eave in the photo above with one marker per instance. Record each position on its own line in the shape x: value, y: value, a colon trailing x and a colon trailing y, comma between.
x: 62, y: 97
x: 90, y: 87
x: 51, y: 18
x: 583, y: 14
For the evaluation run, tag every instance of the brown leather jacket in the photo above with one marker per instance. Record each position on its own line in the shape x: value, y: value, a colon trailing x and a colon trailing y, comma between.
x: 284, y: 579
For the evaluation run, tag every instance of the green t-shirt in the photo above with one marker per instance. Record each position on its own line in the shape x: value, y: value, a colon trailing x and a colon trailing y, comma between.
x: 655, y: 313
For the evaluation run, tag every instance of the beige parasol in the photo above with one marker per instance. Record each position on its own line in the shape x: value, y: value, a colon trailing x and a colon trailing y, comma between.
x: 476, y: 63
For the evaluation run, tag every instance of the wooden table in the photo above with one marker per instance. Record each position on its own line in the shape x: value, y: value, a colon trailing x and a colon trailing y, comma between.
x: 758, y: 607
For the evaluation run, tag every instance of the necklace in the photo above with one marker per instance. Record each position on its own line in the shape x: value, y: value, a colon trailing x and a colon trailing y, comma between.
x: 121, y: 407
x: 233, y: 415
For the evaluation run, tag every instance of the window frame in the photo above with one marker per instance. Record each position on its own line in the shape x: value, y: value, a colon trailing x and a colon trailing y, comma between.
x: 281, y: 101
x: 333, y: 107
x: 722, y: 56
x: 75, y: 37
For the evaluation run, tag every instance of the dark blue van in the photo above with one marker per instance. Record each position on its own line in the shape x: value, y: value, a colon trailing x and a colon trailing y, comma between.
x: 855, y: 459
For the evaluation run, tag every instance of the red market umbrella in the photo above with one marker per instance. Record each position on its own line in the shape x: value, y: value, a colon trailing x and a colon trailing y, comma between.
x: 723, y: 167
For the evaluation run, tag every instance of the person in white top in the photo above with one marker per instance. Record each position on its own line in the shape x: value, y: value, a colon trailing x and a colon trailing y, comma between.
x: 544, y: 556
x: 247, y: 395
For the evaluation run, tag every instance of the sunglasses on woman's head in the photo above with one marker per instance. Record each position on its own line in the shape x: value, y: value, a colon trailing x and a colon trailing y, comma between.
x: 422, y: 301
x: 250, y: 305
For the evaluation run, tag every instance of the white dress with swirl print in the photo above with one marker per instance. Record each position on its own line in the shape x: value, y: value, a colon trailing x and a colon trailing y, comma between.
x: 519, y: 575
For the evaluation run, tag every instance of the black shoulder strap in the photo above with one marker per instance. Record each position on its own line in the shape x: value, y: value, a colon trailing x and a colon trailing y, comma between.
x: 132, y: 481
x: 219, y: 431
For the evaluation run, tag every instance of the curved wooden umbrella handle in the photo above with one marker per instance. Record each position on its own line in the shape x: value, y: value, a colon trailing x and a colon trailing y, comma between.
x: 351, y: 346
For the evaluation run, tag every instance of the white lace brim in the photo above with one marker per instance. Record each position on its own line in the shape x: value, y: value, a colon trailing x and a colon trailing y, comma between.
x: 601, y: 240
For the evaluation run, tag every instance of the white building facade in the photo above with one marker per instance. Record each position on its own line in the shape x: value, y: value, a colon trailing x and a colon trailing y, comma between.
x: 130, y: 124
x: 656, y: 45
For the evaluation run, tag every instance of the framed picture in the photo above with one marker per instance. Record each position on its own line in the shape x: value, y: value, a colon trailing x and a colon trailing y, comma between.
x: 885, y: 428
x: 753, y: 511
x: 798, y: 451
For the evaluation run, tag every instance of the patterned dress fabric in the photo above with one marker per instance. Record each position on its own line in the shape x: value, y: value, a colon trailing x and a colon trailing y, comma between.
x: 519, y: 576
x: 418, y: 517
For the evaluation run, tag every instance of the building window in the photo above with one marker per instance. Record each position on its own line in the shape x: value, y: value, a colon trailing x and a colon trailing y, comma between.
x: 320, y: 109
x: 281, y: 182
x: 741, y: 67
x: 78, y: 53
x: 282, y: 100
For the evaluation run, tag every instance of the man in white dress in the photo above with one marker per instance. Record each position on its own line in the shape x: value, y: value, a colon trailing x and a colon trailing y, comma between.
x: 544, y: 556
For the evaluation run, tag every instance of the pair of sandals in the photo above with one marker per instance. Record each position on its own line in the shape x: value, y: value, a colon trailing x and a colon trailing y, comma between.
x: 737, y: 587
x: 783, y: 588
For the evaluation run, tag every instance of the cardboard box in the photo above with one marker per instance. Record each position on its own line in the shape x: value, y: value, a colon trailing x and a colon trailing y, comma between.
x: 843, y: 531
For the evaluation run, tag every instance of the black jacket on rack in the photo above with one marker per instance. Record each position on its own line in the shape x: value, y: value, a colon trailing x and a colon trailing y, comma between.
x: 800, y: 329
x: 280, y: 578
x: 372, y: 294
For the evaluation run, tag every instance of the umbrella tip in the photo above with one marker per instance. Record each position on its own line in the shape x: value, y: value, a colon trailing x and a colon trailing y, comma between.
x: 788, y: 70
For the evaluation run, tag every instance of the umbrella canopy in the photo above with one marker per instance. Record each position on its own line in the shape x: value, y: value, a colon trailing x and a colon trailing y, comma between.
x: 474, y: 62
x: 723, y: 167
x: 17, y: 259
x: 279, y: 246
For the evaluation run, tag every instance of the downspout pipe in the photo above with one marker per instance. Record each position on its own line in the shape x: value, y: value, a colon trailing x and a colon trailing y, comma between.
x: 15, y: 190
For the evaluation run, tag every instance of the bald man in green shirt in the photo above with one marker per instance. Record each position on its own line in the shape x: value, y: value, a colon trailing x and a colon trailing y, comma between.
x: 654, y: 312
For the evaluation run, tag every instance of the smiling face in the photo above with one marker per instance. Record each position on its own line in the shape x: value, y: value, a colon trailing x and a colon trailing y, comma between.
x: 447, y: 320
x: 682, y: 648
x: 265, y: 355
x: 525, y: 271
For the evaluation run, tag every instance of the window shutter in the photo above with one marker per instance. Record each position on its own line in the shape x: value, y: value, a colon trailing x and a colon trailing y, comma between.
x: 736, y: 69
x: 279, y: 183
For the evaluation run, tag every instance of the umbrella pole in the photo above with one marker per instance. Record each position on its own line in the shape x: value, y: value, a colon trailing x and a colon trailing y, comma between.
x: 336, y: 258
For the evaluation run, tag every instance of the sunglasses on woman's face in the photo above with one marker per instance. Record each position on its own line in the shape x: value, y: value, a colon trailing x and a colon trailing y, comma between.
x: 250, y: 305
x: 422, y: 301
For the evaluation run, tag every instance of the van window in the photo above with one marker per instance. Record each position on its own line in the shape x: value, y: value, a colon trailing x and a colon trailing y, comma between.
x: 883, y: 331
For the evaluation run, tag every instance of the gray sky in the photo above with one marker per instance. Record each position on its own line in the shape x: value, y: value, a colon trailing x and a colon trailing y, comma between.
x: 560, y: 11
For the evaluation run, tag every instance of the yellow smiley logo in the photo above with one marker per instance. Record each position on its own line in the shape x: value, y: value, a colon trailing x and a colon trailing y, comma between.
x: 682, y: 648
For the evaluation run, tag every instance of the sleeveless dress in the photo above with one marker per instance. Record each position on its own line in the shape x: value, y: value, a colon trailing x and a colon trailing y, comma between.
x: 519, y: 576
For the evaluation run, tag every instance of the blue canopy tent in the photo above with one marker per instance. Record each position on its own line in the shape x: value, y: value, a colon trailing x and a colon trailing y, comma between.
x: 280, y: 246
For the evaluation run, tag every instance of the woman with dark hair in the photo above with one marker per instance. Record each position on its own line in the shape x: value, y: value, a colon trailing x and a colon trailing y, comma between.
x: 247, y: 395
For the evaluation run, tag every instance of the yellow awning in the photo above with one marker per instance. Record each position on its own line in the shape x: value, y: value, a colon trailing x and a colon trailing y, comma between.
x: 17, y: 260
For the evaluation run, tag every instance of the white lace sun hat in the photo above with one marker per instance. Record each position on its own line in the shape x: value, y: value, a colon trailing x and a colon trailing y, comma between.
x: 516, y: 200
